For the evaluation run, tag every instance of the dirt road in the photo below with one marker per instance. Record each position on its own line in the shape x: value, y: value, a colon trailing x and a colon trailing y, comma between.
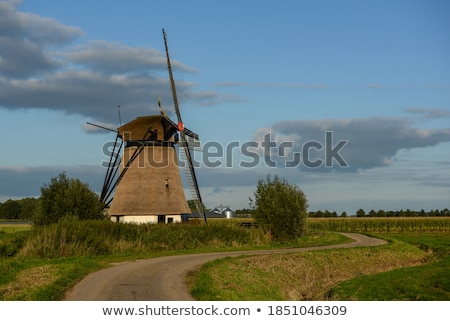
x: 163, y: 278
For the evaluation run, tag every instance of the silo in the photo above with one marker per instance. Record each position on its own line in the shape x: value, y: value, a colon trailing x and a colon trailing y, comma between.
x: 229, y: 213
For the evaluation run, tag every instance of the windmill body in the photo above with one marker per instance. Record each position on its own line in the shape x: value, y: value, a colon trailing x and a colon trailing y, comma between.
x: 150, y: 189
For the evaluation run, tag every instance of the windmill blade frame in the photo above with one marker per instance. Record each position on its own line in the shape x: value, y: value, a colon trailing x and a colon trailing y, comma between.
x: 181, y: 128
x: 187, y: 131
x: 111, y: 172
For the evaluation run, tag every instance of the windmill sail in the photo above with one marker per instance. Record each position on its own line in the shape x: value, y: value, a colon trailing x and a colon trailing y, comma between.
x: 192, y: 178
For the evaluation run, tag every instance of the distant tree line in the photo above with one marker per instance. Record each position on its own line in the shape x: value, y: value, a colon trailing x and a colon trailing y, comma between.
x: 326, y: 214
x: 21, y: 210
x: 64, y: 196
x: 244, y: 213
x: 25, y: 209
x: 247, y: 213
x: 60, y: 198
x: 383, y: 213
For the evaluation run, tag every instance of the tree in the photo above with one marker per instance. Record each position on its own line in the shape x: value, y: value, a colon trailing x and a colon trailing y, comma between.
x: 280, y: 208
x: 360, y: 213
x: 66, y: 197
x: 10, y: 210
x: 193, y: 206
x: 244, y: 213
x: 28, y: 206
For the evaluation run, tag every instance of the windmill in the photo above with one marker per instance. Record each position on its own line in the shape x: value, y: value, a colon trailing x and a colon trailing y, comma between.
x: 149, y: 187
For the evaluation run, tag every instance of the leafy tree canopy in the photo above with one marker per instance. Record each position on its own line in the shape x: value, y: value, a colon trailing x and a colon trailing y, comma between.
x: 65, y: 196
x: 280, y: 208
x: 10, y: 210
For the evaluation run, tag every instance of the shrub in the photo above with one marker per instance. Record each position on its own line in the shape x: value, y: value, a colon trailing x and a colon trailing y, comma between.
x: 10, y: 243
x: 66, y: 197
x: 280, y: 208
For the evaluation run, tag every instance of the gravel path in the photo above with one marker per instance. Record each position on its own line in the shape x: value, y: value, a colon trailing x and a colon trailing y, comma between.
x: 163, y: 278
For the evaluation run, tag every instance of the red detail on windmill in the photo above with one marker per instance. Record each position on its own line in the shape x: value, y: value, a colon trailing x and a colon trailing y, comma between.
x: 180, y: 126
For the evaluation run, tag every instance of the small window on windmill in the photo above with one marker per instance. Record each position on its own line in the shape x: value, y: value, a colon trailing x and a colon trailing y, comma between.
x: 166, y: 183
x: 153, y: 135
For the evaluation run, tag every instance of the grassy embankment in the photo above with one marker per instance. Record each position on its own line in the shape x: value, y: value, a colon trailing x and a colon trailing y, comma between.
x: 42, y: 263
x: 414, y: 265
x: 429, y: 282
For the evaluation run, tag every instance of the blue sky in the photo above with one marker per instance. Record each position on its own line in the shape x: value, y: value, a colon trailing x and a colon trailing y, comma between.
x: 375, y: 74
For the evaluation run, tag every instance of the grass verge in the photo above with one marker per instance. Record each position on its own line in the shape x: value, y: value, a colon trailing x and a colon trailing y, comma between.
x: 297, y: 276
x: 34, y: 280
x: 430, y: 282
x: 42, y: 264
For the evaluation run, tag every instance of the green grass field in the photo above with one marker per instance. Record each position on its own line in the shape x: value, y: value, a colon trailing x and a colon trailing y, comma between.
x: 14, y: 227
x: 381, y: 224
x: 430, y: 282
x: 414, y: 266
x: 43, y: 263
x: 299, y: 276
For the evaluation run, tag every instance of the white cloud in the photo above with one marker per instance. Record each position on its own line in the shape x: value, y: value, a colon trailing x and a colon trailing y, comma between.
x: 372, y: 142
x: 23, y: 40
x: 115, y: 58
x: 428, y: 113
x: 89, y: 79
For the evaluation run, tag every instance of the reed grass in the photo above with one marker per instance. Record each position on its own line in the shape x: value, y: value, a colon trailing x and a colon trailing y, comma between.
x: 88, y: 238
